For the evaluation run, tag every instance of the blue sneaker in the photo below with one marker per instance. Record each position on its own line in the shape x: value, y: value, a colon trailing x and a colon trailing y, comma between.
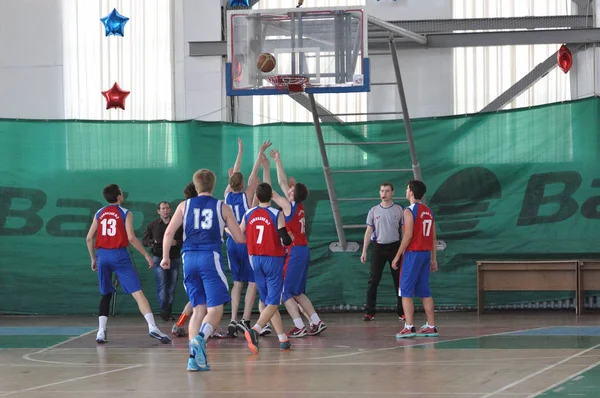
x: 285, y: 345
x: 192, y: 365
x: 198, y: 347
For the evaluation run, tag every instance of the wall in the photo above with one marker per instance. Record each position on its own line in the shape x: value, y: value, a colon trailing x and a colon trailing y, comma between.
x: 428, y: 88
x: 31, y: 73
x: 199, y: 85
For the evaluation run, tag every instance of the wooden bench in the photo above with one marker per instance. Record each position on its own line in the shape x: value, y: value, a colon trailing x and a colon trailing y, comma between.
x: 589, y: 279
x: 528, y: 276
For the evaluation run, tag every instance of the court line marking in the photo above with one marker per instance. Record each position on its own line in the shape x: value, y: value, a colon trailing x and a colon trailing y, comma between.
x: 280, y: 393
x: 281, y: 361
x: 566, y: 379
x: 532, y: 375
x: 68, y: 381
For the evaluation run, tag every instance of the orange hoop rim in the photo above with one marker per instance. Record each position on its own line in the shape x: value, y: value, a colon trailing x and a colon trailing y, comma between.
x: 285, y: 81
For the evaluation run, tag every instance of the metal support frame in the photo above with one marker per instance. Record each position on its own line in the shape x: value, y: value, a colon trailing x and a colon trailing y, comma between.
x: 527, y: 81
x: 420, y: 39
x: 328, y: 179
x: 416, y: 168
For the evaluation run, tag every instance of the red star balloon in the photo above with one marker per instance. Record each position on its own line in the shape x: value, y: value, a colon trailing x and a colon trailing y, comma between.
x: 115, y: 97
x: 564, y: 58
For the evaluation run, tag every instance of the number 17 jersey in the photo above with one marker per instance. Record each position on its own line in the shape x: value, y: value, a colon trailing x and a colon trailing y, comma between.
x: 203, y: 224
x: 423, y: 228
x: 296, y: 224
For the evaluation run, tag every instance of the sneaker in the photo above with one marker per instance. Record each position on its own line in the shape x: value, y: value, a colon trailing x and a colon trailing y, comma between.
x: 101, y: 336
x: 243, y: 325
x: 296, y: 333
x: 402, y: 318
x: 177, y: 331
x: 266, y: 330
x: 427, y: 331
x: 405, y: 333
x: 368, y: 318
x: 192, y: 365
x: 158, y: 335
x: 252, y: 339
x: 198, y: 347
x: 285, y: 345
x: 232, y: 329
x: 317, y: 329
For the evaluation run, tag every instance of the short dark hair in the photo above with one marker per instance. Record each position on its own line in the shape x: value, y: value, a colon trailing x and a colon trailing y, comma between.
x: 163, y: 202
x: 418, y: 188
x: 189, y: 191
x: 387, y: 184
x: 264, y: 192
x: 236, y: 181
x: 300, y: 192
x: 111, y: 193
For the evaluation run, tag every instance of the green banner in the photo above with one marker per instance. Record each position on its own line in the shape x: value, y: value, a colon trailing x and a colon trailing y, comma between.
x: 508, y: 185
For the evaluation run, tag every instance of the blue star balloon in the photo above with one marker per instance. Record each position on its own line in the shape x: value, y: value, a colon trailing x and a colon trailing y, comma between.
x: 114, y: 23
x: 239, y: 3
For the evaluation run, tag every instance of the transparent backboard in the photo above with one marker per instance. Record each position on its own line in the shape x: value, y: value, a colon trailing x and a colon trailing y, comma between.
x: 326, y: 45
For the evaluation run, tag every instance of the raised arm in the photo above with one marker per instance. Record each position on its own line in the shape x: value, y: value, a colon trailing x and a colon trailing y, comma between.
x: 253, y: 177
x: 135, y: 241
x: 281, y: 177
x: 237, y: 165
x: 282, y: 202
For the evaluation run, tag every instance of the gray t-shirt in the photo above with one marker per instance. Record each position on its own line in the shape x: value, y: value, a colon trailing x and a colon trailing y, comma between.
x: 386, y: 222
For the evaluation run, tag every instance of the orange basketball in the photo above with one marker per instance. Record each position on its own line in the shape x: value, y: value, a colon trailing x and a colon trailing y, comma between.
x: 265, y: 62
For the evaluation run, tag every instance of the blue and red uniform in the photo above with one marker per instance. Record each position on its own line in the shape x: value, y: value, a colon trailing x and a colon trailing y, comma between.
x: 112, y: 255
x: 297, y: 260
x: 266, y: 251
x: 416, y: 261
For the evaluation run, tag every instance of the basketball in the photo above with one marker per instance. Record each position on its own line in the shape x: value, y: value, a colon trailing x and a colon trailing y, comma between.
x: 265, y: 62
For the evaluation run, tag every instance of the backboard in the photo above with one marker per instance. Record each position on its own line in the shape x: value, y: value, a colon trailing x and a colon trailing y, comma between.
x: 326, y: 45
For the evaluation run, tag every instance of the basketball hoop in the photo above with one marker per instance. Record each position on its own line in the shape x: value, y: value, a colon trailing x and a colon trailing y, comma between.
x: 293, y: 83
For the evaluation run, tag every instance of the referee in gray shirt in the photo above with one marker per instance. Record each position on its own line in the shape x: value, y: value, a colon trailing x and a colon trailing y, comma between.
x: 383, y: 230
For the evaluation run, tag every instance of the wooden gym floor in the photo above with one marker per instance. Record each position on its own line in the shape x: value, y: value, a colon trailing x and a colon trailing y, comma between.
x: 502, y: 355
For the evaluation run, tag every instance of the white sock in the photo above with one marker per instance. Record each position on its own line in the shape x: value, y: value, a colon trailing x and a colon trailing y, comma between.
x: 409, y: 327
x: 150, y: 319
x: 258, y: 328
x: 314, y: 318
x: 298, y: 323
x: 102, y: 322
x: 282, y: 337
x: 206, y: 329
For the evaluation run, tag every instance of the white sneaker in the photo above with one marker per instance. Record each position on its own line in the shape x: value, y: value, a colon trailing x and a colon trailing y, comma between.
x: 155, y: 333
x: 101, y: 336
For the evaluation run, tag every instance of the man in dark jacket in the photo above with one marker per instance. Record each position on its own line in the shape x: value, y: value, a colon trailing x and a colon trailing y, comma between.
x: 166, y: 279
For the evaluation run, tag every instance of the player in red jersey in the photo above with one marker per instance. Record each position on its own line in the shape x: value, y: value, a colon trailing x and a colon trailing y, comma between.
x: 265, y: 233
x: 419, y: 249
x: 297, y: 260
x: 113, y: 229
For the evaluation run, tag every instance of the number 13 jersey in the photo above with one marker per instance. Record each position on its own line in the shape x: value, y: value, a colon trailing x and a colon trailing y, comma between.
x: 262, y: 237
x: 422, y: 237
x: 203, y: 224
x: 295, y: 223
x: 111, y: 232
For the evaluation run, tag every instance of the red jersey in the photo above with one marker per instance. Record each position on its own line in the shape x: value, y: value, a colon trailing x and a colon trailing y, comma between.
x: 262, y: 238
x: 423, y: 228
x: 111, y: 232
x: 296, y: 224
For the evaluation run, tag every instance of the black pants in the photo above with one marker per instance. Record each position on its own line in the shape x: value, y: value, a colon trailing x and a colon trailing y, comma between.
x: 381, y: 254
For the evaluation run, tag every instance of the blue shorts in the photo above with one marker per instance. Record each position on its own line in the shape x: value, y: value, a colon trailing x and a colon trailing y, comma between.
x: 295, y: 272
x: 239, y: 261
x: 414, y: 277
x: 119, y: 262
x: 268, y: 272
x: 204, y: 279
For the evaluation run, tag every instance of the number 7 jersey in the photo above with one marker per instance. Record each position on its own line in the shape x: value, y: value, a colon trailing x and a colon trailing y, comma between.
x: 423, y: 228
x: 262, y: 237
x: 203, y: 224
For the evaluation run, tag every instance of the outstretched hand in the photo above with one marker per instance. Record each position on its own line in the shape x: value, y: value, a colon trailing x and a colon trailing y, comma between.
x: 275, y: 154
x: 265, y: 162
x: 240, y: 145
x: 265, y: 145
